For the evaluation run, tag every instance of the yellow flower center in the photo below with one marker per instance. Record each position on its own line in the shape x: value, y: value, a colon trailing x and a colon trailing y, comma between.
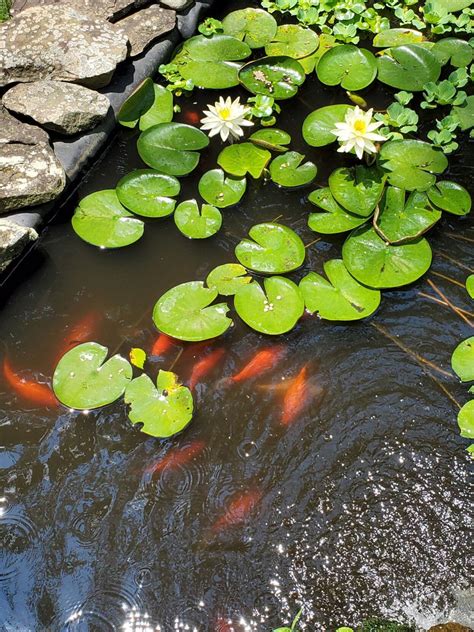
x: 360, y: 126
x: 225, y: 113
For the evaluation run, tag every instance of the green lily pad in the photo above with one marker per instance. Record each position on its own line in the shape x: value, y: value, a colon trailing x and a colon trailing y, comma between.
x: 139, y: 102
x: 450, y: 197
x: 352, y: 67
x: 197, y: 223
x: 217, y: 47
x: 277, y: 77
x: 228, y: 278
x: 465, y: 113
x: 452, y: 50
x: 470, y: 285
x: 466, y: 420
x: 357, y: 189
x: 271, y: 249
x: 221, y: 191
x: 242, y: 158
x: 318, y: 126
x: 335, y: 219
x: 148, y: 193
x: 340, y: 298
x: 185, y: 312
x: 138, y: 357
x: 396, y: 37
x: 214, y: 75
x: 462, y: 360
x: 448, y: 6
x: 408, y: 67
x: 102, y: 221
x: 160, y: 111
x: 379, y: 265
x: 287, y: 170
x: 273, y: 310
x: 163, y: 410
x: 273, y: 139
x: 309, y: 63
x: 253, y: 26
x: 84, y: 380
x: 412, y: 164
x: 172, y: 148
x: 400, y: 221
x: 292, y: 40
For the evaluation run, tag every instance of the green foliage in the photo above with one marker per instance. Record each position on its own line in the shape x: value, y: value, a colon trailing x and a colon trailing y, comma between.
x: 462, y: 360
x: 287, y: 170
x: 5, y: 6
x: 352, y: 67
x: 195, y: 222
x: 294, y: 625
x: 148, y: 193
x: 210, y: 26
x: 277, y: 77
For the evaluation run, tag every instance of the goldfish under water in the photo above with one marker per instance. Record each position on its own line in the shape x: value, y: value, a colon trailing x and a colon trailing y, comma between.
x: 263, y: 361
x: 84, y: 330
x: 238, y: 510
x: 177, y: 457
x: 30, y: 390
x: 204, y: 366
x: 296, y: 397
x: 162, y: 345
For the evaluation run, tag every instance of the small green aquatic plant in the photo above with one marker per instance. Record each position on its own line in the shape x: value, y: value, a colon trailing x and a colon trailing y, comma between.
x: 294, y: 624
x: 5, y: 6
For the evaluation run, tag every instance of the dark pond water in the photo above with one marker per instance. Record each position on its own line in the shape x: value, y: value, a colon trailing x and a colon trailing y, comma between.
x: 358, y: 508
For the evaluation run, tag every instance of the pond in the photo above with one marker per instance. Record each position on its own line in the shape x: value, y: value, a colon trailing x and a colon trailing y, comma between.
x: 357, y: 507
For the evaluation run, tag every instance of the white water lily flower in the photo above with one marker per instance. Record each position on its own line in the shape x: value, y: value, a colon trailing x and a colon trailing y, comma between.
x: 226, y: 118
x: 357, y: 132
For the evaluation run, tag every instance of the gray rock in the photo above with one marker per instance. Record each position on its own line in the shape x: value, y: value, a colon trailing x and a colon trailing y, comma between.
x: 106, y: 9
x: 147, y: 25
x: 13, y: 240
x: 62, y: 44
x: 29, y: 175
x: 177, y: 5
x: 14, y: 131
x: 59, y: 106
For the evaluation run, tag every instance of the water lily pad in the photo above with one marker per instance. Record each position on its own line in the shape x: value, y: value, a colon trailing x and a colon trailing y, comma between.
x: 273, y: 310
x: 271, y: 249
x: 273, y: 139
x: 357, y: 189
x: 185, y: 312
x: 340, y: 298
x: 318, y: 126
x: 465, y: 113
x: 139, y: 102
x: 293, y: 41
x: 221, y: 191
x: 277, y: 77
x: 335, y: 219
x: 450, y: 197
x: 84, y: 379
x: 148, y: 193
x: 412, y: 164
x: 172, y: 148
x: 447, y: 6
x: 287, y: 170
x: 408, y: 67
x: 163, y: 410
x: 377, y: 264
x: 396, y: 37
x: 242, y: 158
x: 228, y: 278
x: 102, y: 221
x: 137, y: 357
x: 217, y: 47
x: 462, y: 360
x: 470, y: 285
x: 160, y: 111
x: 197, y: 223
x: 452, y: 50
x: 214, y: 75
x: 254, y: 26
x: 352, y: 67
x: 466, y: 420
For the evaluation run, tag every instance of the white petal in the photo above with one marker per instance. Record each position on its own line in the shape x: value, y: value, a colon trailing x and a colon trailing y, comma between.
x: 359, y: 152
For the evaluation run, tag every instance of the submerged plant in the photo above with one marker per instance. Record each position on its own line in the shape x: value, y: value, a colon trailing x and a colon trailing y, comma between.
x: 357, y: 133
x: 226, y: 118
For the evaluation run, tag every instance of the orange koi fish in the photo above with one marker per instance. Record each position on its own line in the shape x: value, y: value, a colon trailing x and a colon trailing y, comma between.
x: 83, y: 331
x: 296, y: 397
x: 238, y: 510
x: 177, y: 457
x: 162, y: 345
x: 192, y: 117
x: 223, y: 624
x: 261, y: 362
x: 205, y: 366
x: 30, y: 390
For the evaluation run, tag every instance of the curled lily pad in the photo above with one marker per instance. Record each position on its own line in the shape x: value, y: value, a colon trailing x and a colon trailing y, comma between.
x: 242, y: 158
x: 102, y: 221
x: 340, y: 298
x: 352, y: 67
x: 396, y: 37
x: 272, y: 249
x: 228, y: 278
x: 466, y: 420
x: 409, y: 67
x: 172, y: 148
x: 318, y: 126
x: 293, y: 41
x: 462, y: 360
x: 412, y: 164
x: 185, y: 312
x: 450, y: 197
x: 273, y: 310
x: 377, y: 264
x: 160, y: 111
x: 148, y: 193
x: 278, y: 77
x: 84, y: 379
x: 221, y: 191
x: 335, y: 219
x: 273, y: 139
x: 287, y: 170
x: 139, y: 102
x: 357, y: 189
x: 253, y: 26
x: 197, y: 223
x: 453, y: 50
x: 163, y: 410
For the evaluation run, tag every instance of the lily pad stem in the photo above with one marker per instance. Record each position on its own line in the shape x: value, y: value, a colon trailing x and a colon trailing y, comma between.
x: 451, y: 305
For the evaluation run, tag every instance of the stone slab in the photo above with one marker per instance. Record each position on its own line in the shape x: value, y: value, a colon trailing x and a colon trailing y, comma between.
x: 105, y: 9
x: 14, y: 131
x: 146, y: 26
x: 13, y: 240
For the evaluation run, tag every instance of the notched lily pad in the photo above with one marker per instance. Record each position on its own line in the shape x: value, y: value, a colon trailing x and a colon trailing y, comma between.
x: 195, y: 222
x: 357, y: 189
x: 335, y: 219
x: 272, y: 139
x: 412, y: 164
x: 352, y: 67
x: 294, y: 41
x: 457, y: 52
x: 287, y: 170
x: 318, y: 126
x: 148, y: 193
x: 462, y: 360
x: 397, y: 37
x: 221, y: 191
x: 278, y: 77
x: 409, y: 67
x: 253, y: 26
x: 450, y: 197
x: 271, y: 249
x: 242, y: 158
x: 466, y: 420
x: 228, y: 278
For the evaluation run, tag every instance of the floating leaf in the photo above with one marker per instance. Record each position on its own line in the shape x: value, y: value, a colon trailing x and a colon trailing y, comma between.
x: 294, y: 41
x: 228, y: 278
x: 163, y: 411
x: 242, y: 158
x: 465, y: 113
x: 217, y: 47
x: 412, y: 163
x: 148, y: 193
x: 466, y: 420
x: 470, y: 285
x: 272, y: 249
x: 221, y: 191
x: 453, y: 50
x: 450, y: 197
x: 161, y: 110
x: 274, y: 310
x: 273, y: 139
x: 447, y: 6
x: 137, y: 357
x: 254, y: 26
x: 213, y: 75
x: 185, y: 312
x: 336, y: 219
x: 139, y: 102
x: 351, y: 67
x: 277, y: 77
x: 408, y: 67
x: 102, y: 221
x: 379, y: 265
x: 462, y: 360
x: 340, y: 298
x: 197, y: 223
x: 84, y: 380
x: 287, y: 170
x: 357, y: 189
x: 172, y: 147
x: 318, y: 126
x: 396, y: 37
